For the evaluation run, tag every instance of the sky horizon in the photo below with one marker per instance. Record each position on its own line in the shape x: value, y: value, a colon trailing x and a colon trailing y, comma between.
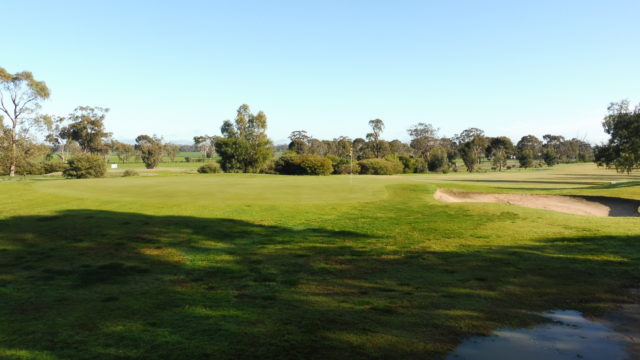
x: 180, y: 69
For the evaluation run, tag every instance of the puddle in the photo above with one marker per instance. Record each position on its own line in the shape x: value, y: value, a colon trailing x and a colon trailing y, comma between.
x: 569, y: 336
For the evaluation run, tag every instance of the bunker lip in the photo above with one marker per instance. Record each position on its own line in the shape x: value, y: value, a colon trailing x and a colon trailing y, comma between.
x: 580, y: 205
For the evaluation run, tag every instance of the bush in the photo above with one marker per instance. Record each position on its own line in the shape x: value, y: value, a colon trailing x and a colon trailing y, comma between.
x: 345, y: 169
x: 29, y: 168
x: 380, y: 167
x: 316, y: 165
x: 526, y: 159
x: 210, y: 168
x: 85, y: 166
x: 408, y: 164
x: 54, y: 166
x: 438, y: 159
x: 130, y: 172
x: 293, y: 164
x: 187, y: 159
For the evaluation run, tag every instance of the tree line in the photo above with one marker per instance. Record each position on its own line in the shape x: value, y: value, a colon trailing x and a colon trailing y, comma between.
x: 245, y: 147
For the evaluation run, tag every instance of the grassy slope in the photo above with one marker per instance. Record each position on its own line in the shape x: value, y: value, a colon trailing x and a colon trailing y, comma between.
x: 256, y: 266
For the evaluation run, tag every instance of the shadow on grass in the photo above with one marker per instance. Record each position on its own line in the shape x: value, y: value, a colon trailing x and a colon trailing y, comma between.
x: 98, y: 284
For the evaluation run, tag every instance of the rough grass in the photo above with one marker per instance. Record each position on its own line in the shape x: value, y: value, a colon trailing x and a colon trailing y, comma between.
x: 246, y: 266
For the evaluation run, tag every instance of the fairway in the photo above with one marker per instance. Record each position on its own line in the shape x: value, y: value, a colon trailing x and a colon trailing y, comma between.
x: 180, y: 265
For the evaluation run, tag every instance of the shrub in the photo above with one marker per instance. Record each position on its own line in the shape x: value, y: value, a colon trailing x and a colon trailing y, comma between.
x: 269, y: 167
x: 85, y: 166
x: 29, y: 168
x: 345, y: 169
x: 438, y: 159
x: 316, y: 165
x: 130, y: 172
x: 187, y: 159
x: 293, y: 164
x: 526, y: 159
x: 210, y: 168
x: 342, y: 166
x: 54, y: 166
x: 380, y: 167
x: 408, y: 164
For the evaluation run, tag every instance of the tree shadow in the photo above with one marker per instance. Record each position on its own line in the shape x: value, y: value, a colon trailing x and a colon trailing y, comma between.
x: 99, y: 284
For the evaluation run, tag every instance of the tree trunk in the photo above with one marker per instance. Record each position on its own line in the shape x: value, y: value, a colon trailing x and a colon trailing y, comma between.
x: 12, y: 167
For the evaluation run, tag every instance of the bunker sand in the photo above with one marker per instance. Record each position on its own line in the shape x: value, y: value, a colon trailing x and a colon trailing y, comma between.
x: 580, y: 205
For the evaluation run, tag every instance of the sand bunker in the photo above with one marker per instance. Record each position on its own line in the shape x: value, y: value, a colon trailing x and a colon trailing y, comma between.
x: 581, y: 205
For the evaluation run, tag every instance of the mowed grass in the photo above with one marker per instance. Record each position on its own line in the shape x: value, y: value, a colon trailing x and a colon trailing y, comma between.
x: 230, y: 266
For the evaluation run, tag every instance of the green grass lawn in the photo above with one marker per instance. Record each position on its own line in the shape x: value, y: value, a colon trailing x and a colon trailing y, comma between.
x: 186, y: 266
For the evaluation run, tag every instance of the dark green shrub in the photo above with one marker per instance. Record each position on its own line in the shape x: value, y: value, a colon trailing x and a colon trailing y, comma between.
x: 293, y: 164
x: 526, y: 159
x: 380, y: 167
x: 187, y: 159
x: 130, y: 172
x: 550, y: 157
x: 342, y: 166
x: 345, y: 169
x: 437, y: 159
x: 269, y: 167
x: 316, y: 165
x: 54, y: 166
x: 85, y: 166
x: 288, y: 164
x: 210, y: 168
x: 408, y: 164
x: 421, y: 166
x: 29, y: 168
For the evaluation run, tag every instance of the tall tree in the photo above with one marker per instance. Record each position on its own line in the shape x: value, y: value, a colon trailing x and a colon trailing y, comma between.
x: 124, y: 152
x: 424, y: 137
x: 150, y: 148
x: 244, y: 146
x: 497, y: 143
x: 469, y: 155
x: 205, y: 144
x: 476, y: 143
x: 377, y: 127
x: 342, y: 147
x: 20, y: 97
x: 86, y: 127
x: 54, y: 126
x: 531, y: 144
x: 622, y: 150
x: 299, y: 141
x: 171, y: 150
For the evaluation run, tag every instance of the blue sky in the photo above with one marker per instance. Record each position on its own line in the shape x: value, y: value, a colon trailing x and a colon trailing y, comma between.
x: 178, y: 69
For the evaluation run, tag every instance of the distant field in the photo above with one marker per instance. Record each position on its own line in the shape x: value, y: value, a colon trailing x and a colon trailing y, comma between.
x: 173, y: 264
x: 179, y: 161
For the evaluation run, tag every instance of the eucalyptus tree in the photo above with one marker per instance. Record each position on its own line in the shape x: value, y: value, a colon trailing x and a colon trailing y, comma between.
x: 300, y: 141
x: 244, y: 145
x: 20, y: 97
x: 150, y: 148
x: 86, y: 127
x: 205, y: 144
x: 342, y: 147
x: 171, y: 150
x: 424, y: 137
x: 377, y: 127
x: 471, y: 145
x: 124, y: 151
x: 54, y: 126
x: 622, y: 150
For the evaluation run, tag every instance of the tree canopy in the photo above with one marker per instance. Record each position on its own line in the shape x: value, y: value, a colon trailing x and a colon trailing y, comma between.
x: 244, y: 146
x: 86, y: 127
x: 20, y: 97
x: 622, y: 151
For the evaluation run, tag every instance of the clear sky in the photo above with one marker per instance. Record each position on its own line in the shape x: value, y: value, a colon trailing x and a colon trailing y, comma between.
x: 179, y: 68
